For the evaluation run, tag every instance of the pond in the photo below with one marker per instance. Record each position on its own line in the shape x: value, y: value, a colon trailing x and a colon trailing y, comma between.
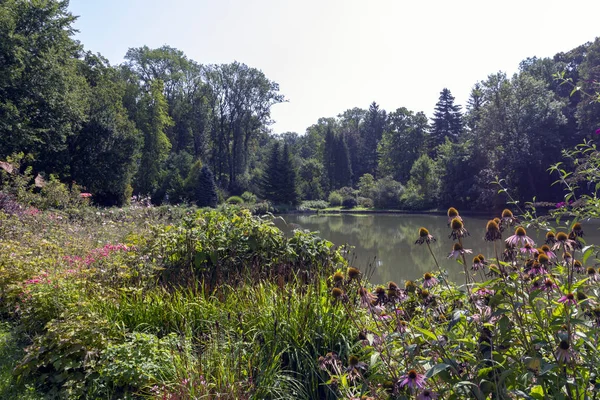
x: 385, y: 243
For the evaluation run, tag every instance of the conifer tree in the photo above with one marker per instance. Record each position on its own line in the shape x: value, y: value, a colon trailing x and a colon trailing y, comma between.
x: 343, y: 169
x: 206, y: 191
x: 447, y: 120
x: 288, y: 191
x: 271, y: 184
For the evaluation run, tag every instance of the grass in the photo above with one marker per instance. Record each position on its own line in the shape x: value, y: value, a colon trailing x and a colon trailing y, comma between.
x: 10, y: 354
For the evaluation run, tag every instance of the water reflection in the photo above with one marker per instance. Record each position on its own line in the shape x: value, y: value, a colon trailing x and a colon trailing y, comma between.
x: 386, y: 241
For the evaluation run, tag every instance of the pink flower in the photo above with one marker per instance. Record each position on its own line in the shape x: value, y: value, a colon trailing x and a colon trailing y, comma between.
x: 427, y: 394
x: 412, y: 379
x: 598, y: 131
x: 429, y: 280
x: 569, y: 299
x: 563, y: 353
x: 520, y: 238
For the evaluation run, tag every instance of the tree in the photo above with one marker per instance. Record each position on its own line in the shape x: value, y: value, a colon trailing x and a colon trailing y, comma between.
x: 311, y: 175
x: 402, y: 143
x: 43, y: 99
x: 153, y: 121
x: 206, y: 193
x: 447, y: 121
x: 288, y: 190
x: 374, y: 126
x: 272, y: 181
x: 104, y: 153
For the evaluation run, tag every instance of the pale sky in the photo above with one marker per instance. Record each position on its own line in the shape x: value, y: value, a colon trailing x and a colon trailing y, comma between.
x: 332, y: 55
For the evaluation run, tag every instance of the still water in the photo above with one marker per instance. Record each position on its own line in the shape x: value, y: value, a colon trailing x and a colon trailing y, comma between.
x: 387, y: 241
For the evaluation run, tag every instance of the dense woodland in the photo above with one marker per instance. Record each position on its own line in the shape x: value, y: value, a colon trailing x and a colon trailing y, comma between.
x: 165, y: 126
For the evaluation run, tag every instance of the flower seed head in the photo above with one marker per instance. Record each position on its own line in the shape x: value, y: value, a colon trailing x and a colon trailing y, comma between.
x: 452, y: 212
x: 337, y: 293
x: 456, y: 224
x: 545, y: 248
x: 550, y: 235
x: 581, y: 296
x: 353, y: 273
x: 564, y: 345
x: 457, y: 247
x: 392, y: 286
x: 492, y: 226
x: 507, y: 213
x: 423, y: 232
x: 562, y: 237
x: 353, y: 360
x: 591, y: 270
x: 543, y: 259
x: 338, y: 276
x: 520, y: 231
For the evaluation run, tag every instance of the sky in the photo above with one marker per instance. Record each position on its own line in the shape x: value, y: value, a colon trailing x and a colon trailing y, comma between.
x: 332, y: 55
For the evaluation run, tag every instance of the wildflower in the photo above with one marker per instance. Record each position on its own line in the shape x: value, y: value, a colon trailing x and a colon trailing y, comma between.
x: 410, y: 286
x: 563, y: 353
x: 412, y: 379
x: 367, y: 298
x: 563, y: 239
x: 354, y: 364
x: 548, y: 251
x: 492, y: 231
x: 338, y: 277
x: 331, y: 359
x: 353, y: 273
x: 575, y: 241
x: 429, y: 280
x: 495, y: 270
x: 424, y: 237
x: 508, y: 219
x: 569, y: 299
x: 577, y: 229
x: 401, y: 326
x: 543, y: 259
x: 477, y: 264
x: 381, y: 296
x: 458, y: 229
x: 592, y: 274
x: 528, y: 250
x: 457, y: 250
x: 337, y: 293
x: 427, y: 394
x: 567, y: 257
x: 452, y: 214
x: 550, y: 238
x: 537, y: 269
x: 520, y: 237
x: 549, y: 285
x: 578, y: 267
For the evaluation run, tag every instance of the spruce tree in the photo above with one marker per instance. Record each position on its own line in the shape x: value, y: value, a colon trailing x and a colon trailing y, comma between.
x: 329, y: 152
x: 447, y: 120
x: 207, y: 189
x: 289, y: 191
x: 272, y: 180
x: 343, y: 169
x: 373, y: 128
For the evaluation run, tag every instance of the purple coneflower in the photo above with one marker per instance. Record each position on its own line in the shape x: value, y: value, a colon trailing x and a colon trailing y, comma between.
x: 578, y: 267
x: 577, y: 229
x: 563, y: 239
x: 520, y: 238
x: 412, y: 379
x: 537, y: 269
x: 508, y: 219
x: 453, y: 213
x: 567, y: 257
x: 458, y: 229
x: 429, y: 280
x: 457, y: 251
x: 548, y: 251
x: 427, y: 394
x: 563, y: 353
x: 477, y: 264
x: 424, y: 237
x: 569, y: 299
x: 592, y: 274
x: 548, y: 285
x: 550, y: 238
x: 528, y: 250
x: 367, y: 298
x: 492, y: 231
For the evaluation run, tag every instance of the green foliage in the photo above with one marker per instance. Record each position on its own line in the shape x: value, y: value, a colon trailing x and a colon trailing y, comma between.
x: 387, y: 193
x: 423, y: 186
x: 313, y: 205
x: 249, y: 197
x: 335, y: 199
x: 235, y: 200
x: 349, y: 202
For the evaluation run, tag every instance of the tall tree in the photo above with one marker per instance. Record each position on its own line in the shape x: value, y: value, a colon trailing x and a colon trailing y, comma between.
x: 153, y: 121
x: 288, y: 191
x: 207, y: 189
x: 402, y: 143
x: 272, y: 180
x: 447, y: 121
x: 43, y: 100
x: 374, y: 125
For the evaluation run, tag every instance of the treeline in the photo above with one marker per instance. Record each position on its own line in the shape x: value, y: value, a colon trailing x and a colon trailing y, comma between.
x: 166, y: 126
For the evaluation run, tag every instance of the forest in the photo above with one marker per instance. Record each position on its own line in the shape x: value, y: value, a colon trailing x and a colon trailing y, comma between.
x: 163, y: 126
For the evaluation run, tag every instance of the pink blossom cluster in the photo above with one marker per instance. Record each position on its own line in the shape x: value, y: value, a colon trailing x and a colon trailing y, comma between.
x: 98, y: 254
x: 32, y: 211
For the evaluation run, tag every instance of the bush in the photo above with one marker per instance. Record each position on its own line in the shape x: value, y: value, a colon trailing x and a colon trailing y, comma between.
x: 365, y: 202
x: 335, y: 199
x: 249, y: 197
x: 236, y: 200
x: 387, y: 193
x: 313, y: 204
x: 349, y: 202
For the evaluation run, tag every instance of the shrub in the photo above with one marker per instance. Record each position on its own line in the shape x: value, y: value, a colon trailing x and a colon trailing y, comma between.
x: 249, y: 197
x: 365, y: 202
x: 387, y: 193
x: 335, y: 199
x: 349, y: 202
x: 313, y: 204
x: 236, y: 200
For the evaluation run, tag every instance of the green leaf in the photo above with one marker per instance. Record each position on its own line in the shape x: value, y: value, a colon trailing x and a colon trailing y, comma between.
x: 436, y: 369
x: 537, y: 392
x: 427, y: 333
